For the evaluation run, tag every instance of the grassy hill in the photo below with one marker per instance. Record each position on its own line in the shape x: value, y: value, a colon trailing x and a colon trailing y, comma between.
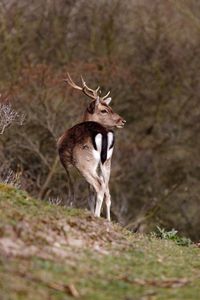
x: 51, y: 252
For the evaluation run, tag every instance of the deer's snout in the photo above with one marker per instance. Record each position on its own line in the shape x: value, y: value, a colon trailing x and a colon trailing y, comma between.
x: 121, y: 122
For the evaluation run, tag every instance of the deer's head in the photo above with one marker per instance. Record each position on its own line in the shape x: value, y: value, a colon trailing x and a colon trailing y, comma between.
x: 98, y: 110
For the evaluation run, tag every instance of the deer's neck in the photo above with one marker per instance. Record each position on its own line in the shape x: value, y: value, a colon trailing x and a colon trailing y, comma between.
x: 88, y: 117
x: 92, y: 117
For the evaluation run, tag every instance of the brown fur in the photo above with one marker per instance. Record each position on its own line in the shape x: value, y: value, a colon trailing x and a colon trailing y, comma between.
x: 78, y: 140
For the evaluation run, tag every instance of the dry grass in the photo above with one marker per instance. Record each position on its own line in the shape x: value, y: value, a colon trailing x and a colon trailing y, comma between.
x: 52, y: 252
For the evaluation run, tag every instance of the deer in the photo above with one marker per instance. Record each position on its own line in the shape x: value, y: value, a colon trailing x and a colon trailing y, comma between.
x: 88, y: 146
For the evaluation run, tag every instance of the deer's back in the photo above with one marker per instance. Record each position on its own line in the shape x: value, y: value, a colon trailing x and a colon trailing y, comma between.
x: 85, y: 138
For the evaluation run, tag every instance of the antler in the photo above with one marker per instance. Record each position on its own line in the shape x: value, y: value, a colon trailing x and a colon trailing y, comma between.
x: 103, y: 98
x: 85, y: 89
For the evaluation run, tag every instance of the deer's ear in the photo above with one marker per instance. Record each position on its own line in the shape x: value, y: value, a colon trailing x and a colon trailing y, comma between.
x: 91, y: 107
x: 108, y: 100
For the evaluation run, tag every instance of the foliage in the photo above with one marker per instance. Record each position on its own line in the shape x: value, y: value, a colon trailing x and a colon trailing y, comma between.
x: 8, y: 176
x: 172, y: 235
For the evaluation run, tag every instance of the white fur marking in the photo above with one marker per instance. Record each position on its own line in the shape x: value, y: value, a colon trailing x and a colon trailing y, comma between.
x: 109, y: 153
x: 96, y: 155
x: 98, y: 142
x: 110, y: 141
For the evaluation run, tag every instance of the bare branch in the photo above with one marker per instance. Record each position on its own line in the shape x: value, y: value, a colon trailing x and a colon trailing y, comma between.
x: 9, y: 116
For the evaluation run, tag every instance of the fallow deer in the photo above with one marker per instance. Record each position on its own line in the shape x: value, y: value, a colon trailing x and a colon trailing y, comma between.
x: 88, y: 146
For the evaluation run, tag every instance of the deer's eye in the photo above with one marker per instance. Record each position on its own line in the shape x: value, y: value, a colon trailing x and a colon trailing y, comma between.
x: 104, y: 111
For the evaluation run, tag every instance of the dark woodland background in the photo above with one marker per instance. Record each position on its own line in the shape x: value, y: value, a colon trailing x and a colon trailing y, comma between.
x: 147, y: 52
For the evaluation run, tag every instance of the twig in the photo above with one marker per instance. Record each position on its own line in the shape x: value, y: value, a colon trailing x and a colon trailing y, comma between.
x: 48, y: 178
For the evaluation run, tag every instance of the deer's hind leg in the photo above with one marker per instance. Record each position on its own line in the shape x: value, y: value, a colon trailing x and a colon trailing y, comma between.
x: 87, y: 163
x: 91, y: 198
x: 97, y: 183
x: 105, y: 169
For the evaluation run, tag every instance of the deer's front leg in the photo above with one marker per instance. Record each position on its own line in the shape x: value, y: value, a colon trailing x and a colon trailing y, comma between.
x: 108, y: 203
x: 105, y: 169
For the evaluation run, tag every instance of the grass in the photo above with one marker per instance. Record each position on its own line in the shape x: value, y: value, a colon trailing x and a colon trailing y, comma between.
x: 50, y: 252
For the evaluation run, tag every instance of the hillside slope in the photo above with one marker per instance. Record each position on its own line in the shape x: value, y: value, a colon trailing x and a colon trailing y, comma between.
x: 50, y: 252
